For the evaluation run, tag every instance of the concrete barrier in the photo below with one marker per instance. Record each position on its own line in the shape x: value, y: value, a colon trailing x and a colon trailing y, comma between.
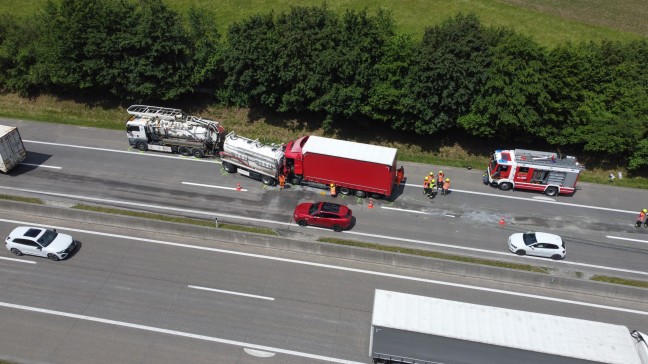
x: 300, y: 243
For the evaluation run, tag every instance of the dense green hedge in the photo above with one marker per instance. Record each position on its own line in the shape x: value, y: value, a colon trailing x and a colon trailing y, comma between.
x: 492, y: 82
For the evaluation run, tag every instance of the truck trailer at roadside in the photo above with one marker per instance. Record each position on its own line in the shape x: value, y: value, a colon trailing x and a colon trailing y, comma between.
x: 12, y: 149
x: 408, y: 328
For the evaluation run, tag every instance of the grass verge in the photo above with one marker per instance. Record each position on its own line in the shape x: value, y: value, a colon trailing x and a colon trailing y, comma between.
x: 176, y: 219
x: 436, y: 255
x: 623, y: 281
x: 22, y: 199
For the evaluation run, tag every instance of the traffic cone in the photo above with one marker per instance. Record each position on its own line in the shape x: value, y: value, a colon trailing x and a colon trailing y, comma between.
x: 238, y: 186
x: 370, y: 204
x: 502, y: 222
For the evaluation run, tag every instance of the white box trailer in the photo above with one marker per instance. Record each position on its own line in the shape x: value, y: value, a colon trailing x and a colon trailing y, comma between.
x: 423, y: 330
x: 12, y: 149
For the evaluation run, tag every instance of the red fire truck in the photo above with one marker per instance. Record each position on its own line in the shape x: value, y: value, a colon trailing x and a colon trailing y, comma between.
x: 532, y: 170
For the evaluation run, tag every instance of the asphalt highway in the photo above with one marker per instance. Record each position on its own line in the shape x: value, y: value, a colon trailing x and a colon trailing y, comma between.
x: 133, y: 296
x: 72, y: 164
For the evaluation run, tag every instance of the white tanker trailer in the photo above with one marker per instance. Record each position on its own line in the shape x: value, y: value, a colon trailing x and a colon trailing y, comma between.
x: 252, y: 158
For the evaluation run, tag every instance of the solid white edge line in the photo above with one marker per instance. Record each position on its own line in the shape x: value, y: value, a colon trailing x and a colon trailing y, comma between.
x: 292, y: 224
x: 40, y: 165
x: 539, y: 201
x: 341, y: 268
x: 628, y: 239
x: 197, y: 212
x: 213, y: 186
x: 18, y: 260
x: 231, y: 292
x: 175, y: 333
x: 406, y: 184
x: 134, y: 152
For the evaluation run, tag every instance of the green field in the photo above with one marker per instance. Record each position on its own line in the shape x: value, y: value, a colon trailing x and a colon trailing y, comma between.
x: 549, y: 22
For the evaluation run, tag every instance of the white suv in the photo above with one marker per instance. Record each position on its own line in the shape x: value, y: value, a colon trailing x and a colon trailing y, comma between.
x: 41, y: 242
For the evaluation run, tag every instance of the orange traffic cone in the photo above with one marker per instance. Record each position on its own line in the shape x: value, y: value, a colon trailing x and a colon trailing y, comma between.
x: 238, y: 186
x: 370, y: 204
x: 502, y: 222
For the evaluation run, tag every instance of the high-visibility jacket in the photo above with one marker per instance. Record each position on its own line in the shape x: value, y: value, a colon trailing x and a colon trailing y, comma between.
x: 641, y: 217
x: 440, y: 178
x: 426, y: 184
x: 446, y: 185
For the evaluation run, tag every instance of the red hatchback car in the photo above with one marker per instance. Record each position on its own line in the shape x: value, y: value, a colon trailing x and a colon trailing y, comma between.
x: 323, y: 214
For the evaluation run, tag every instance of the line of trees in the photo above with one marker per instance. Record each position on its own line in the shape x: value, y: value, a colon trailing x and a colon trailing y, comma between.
x: 490, y: 82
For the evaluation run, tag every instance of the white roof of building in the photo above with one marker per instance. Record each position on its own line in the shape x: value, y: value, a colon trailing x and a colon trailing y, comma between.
x: 587, y: 340
x: 350, y: 150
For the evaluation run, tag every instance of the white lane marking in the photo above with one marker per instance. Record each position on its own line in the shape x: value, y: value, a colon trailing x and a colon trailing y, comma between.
x: 214, y: 186
x: 19, y: 260
x: 197, y: 212
x: 628, y: 239
x: 259, y: 353
x: 292, y: 224
x: 134, y: 152
x: 340, y: 268
x: 232, y: 293
x: 176, y: 333
x: 405, y: 210
x: 40, y: 165
x: 448, y: 215
x: 543, y: 198
x: 541, y: 201
x: 406, y: 184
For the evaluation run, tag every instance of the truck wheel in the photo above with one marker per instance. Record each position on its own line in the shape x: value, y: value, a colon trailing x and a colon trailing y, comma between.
x: 551, y: 191
x: 184, y: 151
x: 142, y: 146
x: 337, y: 228
x: 197, y: 153
x: 229, y: 168
x: 377, y: 196
x: 360, y: 194
x: 346, y: 191
x: 295, y: 181
x: 268, y: 181
x: 302, y: 223
x: 505, y: 186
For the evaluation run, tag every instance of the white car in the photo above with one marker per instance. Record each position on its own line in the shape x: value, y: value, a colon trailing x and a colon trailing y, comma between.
x: 538, y: 244
x: 40, y: 242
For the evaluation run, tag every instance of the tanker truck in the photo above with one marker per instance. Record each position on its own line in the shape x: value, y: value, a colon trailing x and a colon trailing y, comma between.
x: 171, y: 130
x: 355, y: 168
x: 252, y: 158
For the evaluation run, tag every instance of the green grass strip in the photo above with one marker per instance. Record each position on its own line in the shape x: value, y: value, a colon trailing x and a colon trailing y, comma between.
x: 22, y: 199
x: 176, y: 219
x: 622, y: 281
x: 437, y: 255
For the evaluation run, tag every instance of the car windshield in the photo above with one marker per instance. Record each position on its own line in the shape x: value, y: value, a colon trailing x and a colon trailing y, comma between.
x: 529, y: 238
x: 313, y: 209
x: 47, y: 238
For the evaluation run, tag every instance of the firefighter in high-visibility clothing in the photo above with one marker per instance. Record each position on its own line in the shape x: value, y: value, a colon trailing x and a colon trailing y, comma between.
x: 426, y: 185
x: 642, y: 219
x: 446, y: 186
x: 333, y: 190
x: 440, y: 180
